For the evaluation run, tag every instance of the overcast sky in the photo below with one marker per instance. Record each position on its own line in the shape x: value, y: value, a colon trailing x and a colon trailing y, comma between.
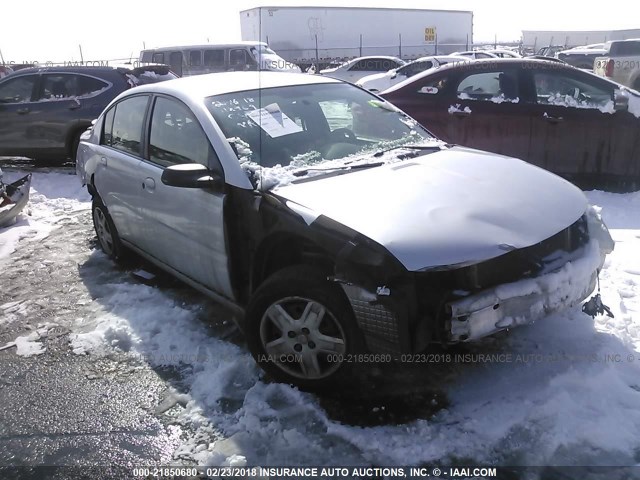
x: 118, y: 28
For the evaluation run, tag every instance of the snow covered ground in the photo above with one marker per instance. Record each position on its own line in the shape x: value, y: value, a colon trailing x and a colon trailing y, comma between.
x: 565, y: 391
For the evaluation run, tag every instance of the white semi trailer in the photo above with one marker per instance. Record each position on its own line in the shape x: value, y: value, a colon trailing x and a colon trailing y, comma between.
x: 318, y: 35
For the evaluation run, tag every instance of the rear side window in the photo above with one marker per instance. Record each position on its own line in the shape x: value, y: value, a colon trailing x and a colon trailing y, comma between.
x: 90, y: 85
x: 195, y: 58
x: 629, y: 48
x: 175, y: 61
x: 124, y: 132
x: 107, y: 133
x: 55, y: 87
x: 17, y: 90
x: 415, y: 68
x: 158, y: 58
x: 492, y: 86
x: 62, y: 86
x: 214, y: 58
x: 176, y: 136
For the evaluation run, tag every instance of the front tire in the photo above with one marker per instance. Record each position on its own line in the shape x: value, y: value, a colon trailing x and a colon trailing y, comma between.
x: 106, y: 232
x: 301, y: 329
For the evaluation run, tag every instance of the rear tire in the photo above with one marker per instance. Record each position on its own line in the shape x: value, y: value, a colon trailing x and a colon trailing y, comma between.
x: 106, y: 231
x: 301, y: 329
x: 73, y: 149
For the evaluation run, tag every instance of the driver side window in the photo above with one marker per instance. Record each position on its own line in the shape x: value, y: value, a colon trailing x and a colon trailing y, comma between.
x: 17, y: 90
x: 177, y: 137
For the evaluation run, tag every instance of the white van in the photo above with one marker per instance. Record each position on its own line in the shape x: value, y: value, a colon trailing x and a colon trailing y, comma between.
x: 190, y: 60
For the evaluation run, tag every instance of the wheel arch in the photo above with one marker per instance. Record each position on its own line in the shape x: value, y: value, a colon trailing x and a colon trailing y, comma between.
x: 70, y: 141
x: 284, y: 249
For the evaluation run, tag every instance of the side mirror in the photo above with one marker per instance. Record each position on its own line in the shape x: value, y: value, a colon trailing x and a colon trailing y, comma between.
x: 191, y: 175
x: 620, y: 101
x: 394, y: 74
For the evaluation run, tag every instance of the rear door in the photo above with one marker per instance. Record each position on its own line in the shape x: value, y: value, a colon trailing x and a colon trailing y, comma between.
x: 16, y: 106
x: 186, y: 228
x: 64, y: 105
x: 117, y: 175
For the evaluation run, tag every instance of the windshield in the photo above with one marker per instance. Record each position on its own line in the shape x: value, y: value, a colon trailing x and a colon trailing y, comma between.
x: 287, y: 129
x: 262, y: 49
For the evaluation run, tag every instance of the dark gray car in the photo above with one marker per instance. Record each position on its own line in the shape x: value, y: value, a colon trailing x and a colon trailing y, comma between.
x: 43, y: 111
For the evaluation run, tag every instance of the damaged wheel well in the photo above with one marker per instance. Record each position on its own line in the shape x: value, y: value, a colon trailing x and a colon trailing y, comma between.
x: 284, y: 250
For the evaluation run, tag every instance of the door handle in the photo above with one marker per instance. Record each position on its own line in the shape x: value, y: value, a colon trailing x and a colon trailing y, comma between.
x: 75, y: 105
x: 22, y: 111
x: 553, y: 120
x: 460, y: 113
x: 149, y: 184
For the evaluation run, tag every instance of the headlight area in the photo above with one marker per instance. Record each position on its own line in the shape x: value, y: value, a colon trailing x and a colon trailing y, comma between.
x: 382, y: 294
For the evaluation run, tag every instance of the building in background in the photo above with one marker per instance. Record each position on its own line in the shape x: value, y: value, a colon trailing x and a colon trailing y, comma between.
x: 533, y: 40
x: 319, y: 35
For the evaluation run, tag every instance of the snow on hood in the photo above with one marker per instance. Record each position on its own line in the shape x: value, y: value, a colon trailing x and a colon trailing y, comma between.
x: 453, y: 207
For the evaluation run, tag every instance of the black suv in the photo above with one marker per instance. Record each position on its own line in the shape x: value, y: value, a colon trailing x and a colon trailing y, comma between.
x: 43, y: 111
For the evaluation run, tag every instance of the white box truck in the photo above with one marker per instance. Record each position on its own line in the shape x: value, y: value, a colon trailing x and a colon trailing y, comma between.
x: 319, y: 35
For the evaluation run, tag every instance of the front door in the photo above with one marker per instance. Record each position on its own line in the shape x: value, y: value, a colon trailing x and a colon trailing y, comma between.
x: 571, y: 120
x: 16, y: 108
x: 187, y: 228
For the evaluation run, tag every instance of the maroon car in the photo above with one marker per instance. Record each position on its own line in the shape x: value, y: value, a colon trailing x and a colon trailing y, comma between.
x: 563, y: 119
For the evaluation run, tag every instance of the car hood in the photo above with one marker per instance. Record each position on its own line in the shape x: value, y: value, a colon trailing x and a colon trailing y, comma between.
x: 374, y: 77
x: 450, y: 208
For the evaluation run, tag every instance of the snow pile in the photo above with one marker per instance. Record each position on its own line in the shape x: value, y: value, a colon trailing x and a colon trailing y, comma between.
x: 501, y: 98
x: 12, y: 311
x: 28, y: 345
x: 634, y: 102
x: 457, y: 108
x: 569, y: 101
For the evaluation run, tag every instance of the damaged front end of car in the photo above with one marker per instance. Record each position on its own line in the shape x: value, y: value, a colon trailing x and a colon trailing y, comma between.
x: 400, y: 311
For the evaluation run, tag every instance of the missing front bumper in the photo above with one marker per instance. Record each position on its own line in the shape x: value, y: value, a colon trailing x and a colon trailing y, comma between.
x: 527, y: 300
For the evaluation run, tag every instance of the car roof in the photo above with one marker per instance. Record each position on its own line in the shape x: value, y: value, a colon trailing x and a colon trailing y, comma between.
x: 477, y: 66
x: 500, y: 61
x: 202, y: 86
x: 369, y: 57
x: 472, y: 52
x: 207, y: 46
x: 438, y: 57
x: 67, y: 69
